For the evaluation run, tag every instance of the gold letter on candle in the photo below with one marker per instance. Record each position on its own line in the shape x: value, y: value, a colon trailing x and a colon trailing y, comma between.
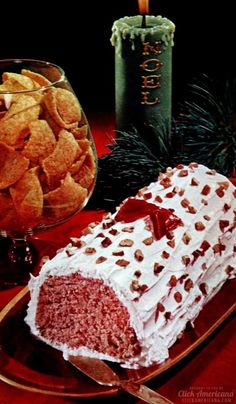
x: 151, y: 81
x: 155, y: 49
x: 151, y: 65
x: 146, y: 101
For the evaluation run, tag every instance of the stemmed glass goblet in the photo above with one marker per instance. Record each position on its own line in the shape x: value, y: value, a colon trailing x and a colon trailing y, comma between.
x: 47, y: 159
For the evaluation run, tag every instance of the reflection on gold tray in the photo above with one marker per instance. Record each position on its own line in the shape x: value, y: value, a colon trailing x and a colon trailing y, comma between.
x: 30, y: 364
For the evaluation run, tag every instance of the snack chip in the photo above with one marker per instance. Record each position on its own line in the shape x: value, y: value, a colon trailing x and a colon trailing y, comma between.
x: 17, y: 119
x: 81, y: 132
x: 64, y: 200
x: 59, y: 161
x: 41, y: 142
x: 85, y: 176
x: 17, y: 82
x: 36, y: 77
x: 12, y: 166
x: 63, y: 107
x: 27, y: 196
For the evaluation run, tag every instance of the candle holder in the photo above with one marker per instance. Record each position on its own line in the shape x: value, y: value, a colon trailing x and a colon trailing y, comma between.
x: 143, y: 73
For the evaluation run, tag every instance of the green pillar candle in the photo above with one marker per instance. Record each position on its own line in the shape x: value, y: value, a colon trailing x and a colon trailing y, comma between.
x: 143, y: 73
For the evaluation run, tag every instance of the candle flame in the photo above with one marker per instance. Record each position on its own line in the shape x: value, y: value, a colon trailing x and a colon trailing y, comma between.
x: 143, y: 6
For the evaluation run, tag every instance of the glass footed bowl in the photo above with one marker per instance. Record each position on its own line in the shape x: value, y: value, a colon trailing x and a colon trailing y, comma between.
x: 48, y: 162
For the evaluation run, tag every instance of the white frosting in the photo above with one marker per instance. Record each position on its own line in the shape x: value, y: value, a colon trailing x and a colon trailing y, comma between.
x: 157, y: 334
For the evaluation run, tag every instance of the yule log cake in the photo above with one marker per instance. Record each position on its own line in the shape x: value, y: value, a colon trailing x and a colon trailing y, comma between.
x: 125, y: 290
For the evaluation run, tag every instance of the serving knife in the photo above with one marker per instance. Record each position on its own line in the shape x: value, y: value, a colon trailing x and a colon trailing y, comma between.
x: 101, y: 373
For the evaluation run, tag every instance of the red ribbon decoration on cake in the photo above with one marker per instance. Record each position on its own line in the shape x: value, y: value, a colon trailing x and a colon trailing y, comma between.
x: 161, y: 220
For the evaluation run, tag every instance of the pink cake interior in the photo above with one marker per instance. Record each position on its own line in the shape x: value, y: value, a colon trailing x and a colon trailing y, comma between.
x: 80, y: 311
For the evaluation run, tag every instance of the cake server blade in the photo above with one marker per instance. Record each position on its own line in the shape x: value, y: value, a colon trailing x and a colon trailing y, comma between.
x: 101, y: 373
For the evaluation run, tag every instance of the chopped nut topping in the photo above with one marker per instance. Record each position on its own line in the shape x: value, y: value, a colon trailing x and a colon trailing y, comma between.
x: 138, y: 273
x: 128, y: 229
x: 134, y: 286
x: 143, y: 288
x: 159, y: 309
x: 147, y: 195
x: 138, y: 255
x: 158, y: 199
x: 211, y: 172
x: 69, y: 252
x: 205, y: 245
x: 192, y: 210
x: 165, y: 182
x: 113, y: 232
x: 204, y: 266
x: 199, y: 226
x: 206, y: 190
x: 185, y: 202
x: 207, y: 218
x: 107, y: 225
x: 204, y: 202
x: 101, y: 259
x: 220, y: 191
x: 181, y: 192
x: 170, y: 194
x: 148, y: 241
x: 157, y: 268
x: 194, y: 182
x: 183, y: 173
x: 165, y: 254
x: 86, y: 230
x: 142, y: 191
x: 170, y: 235
x: 198, y: 298
x: 76, y: 242
x: 167, y: 315
x: 118, y: 253
x: 223, y: 224
x: 203, y: 288
x: 178, y: 297
x: 106, y: 242
x: 218, y: 248
x: 122, y: 263
x: 186, y: 260
x: 186, y: 238
x: 180, y: 166
x: 173, y: 281
x: 126, y: 243
x: 90, y: 250
x: 175, y: 189
x: 100, y: 235
x: 224, y: 184
x: 182, y: 278
x: 226, y: 207
x: 197, y: 253
x: 188, y: 284
x: 171, y: 243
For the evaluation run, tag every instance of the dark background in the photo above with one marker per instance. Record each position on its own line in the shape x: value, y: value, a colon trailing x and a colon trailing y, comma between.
x: 76, y: 35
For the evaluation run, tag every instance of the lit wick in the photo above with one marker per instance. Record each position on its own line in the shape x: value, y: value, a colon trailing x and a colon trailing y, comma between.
x: 143, y: 6
x: 143, y: 21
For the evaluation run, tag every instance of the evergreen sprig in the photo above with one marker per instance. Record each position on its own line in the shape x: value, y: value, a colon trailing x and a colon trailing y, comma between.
x: 204, y: 132
x: 130, y: 165
x: 206, y: 127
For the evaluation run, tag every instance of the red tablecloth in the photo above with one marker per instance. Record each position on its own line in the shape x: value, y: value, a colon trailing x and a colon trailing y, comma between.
x: 207, y: 376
